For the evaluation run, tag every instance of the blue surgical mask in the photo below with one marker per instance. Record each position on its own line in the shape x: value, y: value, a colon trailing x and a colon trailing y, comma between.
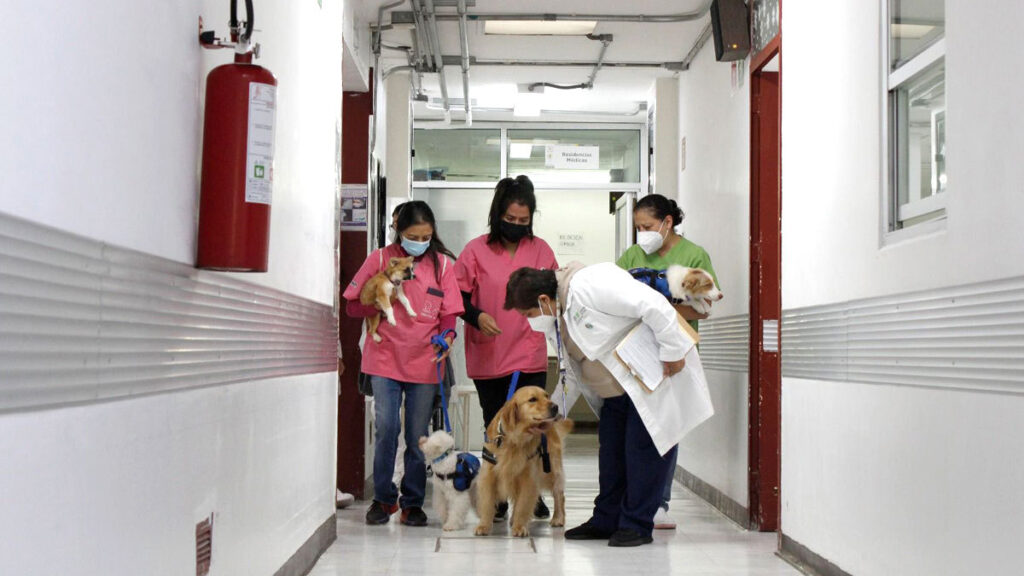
x: 414, y: 248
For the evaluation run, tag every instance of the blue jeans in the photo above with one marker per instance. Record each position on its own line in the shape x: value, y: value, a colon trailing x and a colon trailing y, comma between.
x: 419, y: 405
x: 631, y: 472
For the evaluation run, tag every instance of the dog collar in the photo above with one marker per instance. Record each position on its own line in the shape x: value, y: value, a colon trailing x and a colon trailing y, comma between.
x: 442, y: 456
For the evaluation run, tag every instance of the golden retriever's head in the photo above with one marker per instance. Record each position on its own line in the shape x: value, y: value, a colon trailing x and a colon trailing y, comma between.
x: 529, y: 410
x: 399, y: 270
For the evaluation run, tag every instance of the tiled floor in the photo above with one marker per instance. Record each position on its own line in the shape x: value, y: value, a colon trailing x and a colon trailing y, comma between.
x: 705, y: 542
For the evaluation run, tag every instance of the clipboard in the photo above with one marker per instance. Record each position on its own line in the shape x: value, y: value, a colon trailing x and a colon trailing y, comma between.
x: 638, y: 352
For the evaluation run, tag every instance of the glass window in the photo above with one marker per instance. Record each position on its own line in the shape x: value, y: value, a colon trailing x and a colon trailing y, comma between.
x: 914, y: 25
x: 457, y: 155
x: 765, y: 23
x: 575, y: 156
x: 920, y: 126
x: 916, y: 88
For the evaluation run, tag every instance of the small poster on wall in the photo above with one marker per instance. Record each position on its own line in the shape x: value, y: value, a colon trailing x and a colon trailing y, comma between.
x: 570, y: 243
x: 353, y: 206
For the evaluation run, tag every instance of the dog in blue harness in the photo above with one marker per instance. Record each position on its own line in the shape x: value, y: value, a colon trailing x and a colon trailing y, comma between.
x: 681, y: 285
x: 453, y: 474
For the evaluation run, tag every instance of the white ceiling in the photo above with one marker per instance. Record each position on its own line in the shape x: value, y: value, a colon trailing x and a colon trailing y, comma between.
x: 616, y: 90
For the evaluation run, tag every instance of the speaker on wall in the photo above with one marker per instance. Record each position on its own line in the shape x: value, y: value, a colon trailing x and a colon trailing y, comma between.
x: 730, y: 23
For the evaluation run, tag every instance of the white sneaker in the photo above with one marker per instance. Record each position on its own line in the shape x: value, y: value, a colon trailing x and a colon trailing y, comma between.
x: 662, y: 521
x: 343, y: 499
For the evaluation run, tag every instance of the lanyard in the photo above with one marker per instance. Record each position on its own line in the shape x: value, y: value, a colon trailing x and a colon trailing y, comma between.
x: 561, y: 364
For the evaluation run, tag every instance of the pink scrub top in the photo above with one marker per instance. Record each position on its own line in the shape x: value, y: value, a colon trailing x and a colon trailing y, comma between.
x: 483, y: 270
x: 405, y: 353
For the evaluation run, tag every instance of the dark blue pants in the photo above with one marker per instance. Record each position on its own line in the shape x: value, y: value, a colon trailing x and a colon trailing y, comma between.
x: 631, y: 472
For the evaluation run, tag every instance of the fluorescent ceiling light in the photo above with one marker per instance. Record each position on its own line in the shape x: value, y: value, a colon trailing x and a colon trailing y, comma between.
x: 911, y: 31
x: 540, y: 27
x: 520, y: 151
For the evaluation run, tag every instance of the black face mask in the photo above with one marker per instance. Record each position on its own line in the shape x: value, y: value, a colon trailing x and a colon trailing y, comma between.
x: 513, y: 232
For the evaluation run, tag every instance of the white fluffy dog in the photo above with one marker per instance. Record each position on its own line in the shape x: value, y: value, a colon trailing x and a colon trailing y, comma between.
x: 451, y: 505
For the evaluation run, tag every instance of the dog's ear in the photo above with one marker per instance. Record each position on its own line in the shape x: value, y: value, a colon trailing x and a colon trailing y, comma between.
x: 508, y: 416
x: 693, y: 280
x: 393, y: 262
x: 423, y: 440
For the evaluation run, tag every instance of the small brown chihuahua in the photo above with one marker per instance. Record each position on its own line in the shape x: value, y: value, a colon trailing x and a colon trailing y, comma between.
x: 382, y: 288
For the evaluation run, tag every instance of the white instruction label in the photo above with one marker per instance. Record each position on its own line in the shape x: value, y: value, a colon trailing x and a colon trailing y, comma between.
x: 259, y: 161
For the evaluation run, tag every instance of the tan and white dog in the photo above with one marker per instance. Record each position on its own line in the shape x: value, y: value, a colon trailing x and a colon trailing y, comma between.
x: 695, y: 287
x: 382, y: 288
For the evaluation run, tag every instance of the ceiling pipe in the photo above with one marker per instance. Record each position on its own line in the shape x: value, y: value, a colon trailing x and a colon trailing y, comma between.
x: 421, y: 36
x: 464, y: 45
x: 435, y: 42
x: 657, y: 19
x: 673, y: 66
x: 705, y: 34
x: 605, y: 39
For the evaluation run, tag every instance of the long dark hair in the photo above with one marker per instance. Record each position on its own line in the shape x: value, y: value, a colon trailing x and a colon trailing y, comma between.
x: 418, y: 212
x: 525, y: 286
x: 661, y: 207
x: 518, y: 190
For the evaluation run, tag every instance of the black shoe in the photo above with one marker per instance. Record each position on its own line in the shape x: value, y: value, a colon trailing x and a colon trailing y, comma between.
x: 541, y: 509
x: 414, y: 516
x: 587, y: 531
x: 500, y: 511
x: 379, y: 513
x: 625, y: 538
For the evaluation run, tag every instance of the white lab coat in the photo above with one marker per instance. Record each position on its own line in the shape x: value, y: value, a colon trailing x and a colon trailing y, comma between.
x: 603, y: 304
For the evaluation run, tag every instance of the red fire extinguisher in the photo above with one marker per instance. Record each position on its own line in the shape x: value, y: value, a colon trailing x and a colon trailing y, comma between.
x: 238, y: 156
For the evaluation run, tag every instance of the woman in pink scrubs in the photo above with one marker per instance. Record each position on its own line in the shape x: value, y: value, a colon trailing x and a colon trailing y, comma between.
x: 404, y: 363
x: 499, y: 342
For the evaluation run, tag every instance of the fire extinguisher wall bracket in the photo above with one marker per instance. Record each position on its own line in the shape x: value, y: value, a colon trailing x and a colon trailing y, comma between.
x: 237, y: 167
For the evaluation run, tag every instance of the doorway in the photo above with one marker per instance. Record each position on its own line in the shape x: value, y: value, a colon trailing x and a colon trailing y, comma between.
x: 765, y: 404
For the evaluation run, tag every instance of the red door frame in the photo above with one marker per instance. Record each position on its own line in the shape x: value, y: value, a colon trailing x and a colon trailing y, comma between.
x: 765, y: 403
x: 356, y: 110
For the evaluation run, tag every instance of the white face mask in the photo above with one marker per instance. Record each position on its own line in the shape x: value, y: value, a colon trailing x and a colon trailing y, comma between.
x: 542, y: 323
x: 649, y: 240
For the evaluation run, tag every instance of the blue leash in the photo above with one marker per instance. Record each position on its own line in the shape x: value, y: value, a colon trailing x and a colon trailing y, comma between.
x: 512, y: 386
x: 439, y: 341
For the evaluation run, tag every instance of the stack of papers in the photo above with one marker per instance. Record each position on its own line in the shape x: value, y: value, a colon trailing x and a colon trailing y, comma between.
x: 638, y: 351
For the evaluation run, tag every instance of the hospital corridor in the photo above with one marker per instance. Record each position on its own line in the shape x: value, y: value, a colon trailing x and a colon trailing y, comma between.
x: 483, y: 287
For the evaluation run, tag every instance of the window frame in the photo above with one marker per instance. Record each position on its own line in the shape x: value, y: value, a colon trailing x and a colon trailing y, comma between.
x: 893, y: 215
x: 505, y: 127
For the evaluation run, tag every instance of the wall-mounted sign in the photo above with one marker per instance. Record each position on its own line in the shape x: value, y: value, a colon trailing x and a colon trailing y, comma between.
x: 572, y: 157
x: 570, y: 243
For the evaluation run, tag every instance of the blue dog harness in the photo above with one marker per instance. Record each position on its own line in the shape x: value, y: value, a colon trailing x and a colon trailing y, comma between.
x: 467, y: 466
x: 655, y: 279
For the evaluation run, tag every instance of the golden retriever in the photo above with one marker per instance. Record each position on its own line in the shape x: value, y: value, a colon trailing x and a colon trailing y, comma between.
x: 514, y: 437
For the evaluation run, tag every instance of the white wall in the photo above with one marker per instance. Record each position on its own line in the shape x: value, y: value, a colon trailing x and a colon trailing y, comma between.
x: 118, y: 488
x: 714, y: 192
x: 102, y: 131
x: 398, y: 127
x: 665, y: 173
x: 885, y: 479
